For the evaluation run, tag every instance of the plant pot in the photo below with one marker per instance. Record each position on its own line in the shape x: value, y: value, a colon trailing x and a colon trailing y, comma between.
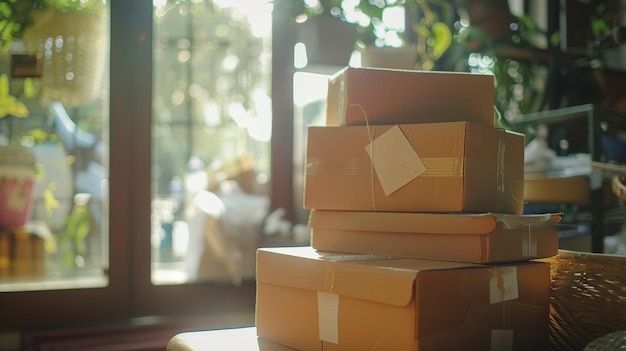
x: 389, y: 57
x: 16, y: 202
x: 328, y: 40
x: 17, y: 186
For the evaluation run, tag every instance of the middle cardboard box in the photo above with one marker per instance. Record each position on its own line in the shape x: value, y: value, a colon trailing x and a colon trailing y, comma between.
x: 426, y: 167
x: 463, y: 237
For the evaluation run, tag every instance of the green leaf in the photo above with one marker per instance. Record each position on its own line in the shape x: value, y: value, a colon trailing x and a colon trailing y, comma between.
x: 443, y: 38
x: 421, y: 31
x: 555, y: 38
x: 14, y: 107
x: 9, y: 105
x: 599, y: 27
x: 4, y: 85
x: 30, y: 91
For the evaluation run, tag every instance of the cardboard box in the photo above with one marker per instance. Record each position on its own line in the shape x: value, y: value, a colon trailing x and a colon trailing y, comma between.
x: 431, y: 167
x: 268, y: 345
x: 393, y: 96
x: 310, y: 300
x: 477, y: 238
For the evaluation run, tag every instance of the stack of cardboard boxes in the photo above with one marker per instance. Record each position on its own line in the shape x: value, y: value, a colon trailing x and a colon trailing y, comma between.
x: 418, y: 238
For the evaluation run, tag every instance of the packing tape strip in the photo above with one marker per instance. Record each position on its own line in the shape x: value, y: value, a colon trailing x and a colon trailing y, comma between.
x: 501, y: 161
x: 530, y: 243
x: 371, y: 140
x: 328, y: 316
x: 354, y: 166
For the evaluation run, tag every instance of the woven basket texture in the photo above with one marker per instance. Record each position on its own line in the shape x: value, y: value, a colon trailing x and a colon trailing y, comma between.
x: 609, y: 342
x: 587, y: 298
x: 74, y: 47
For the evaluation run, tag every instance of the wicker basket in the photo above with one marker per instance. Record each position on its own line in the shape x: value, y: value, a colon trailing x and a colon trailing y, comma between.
x: 588, y: 298
x: 609, y: 342
x: 74, y: 48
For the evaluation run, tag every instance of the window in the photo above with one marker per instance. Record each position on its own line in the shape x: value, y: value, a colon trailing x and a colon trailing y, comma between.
x: 125, y: 288
x: 211, y: 127
x: 55, y: 229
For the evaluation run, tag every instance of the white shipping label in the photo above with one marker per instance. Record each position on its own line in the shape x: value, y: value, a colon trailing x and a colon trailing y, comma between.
x: 395, y: 161
x: 503, y: 284
x: 502, y: 340
x: 328, y: 316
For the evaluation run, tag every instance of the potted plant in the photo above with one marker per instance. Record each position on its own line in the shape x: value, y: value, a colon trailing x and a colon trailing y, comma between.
x: 328, y: 37
x: 381, y: 43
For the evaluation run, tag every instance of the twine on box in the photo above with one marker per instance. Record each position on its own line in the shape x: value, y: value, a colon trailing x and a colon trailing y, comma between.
x: 370, y: 138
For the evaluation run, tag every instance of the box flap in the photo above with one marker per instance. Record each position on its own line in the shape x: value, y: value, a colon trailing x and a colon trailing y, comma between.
x: 364, y: 277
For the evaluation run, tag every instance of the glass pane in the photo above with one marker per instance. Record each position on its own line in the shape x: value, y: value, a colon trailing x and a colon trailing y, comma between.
x: 211, y: 126
x: 53, y: 147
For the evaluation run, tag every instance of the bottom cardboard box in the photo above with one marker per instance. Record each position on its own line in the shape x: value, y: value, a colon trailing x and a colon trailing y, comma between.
x: 311, y: 300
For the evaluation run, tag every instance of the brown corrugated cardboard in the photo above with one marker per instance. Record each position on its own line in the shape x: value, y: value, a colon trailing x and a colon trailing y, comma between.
x: 267, y: 345
x: 430, y: 167
x: 310, y: 300
x: 477, y: 238
x: 392, y: 96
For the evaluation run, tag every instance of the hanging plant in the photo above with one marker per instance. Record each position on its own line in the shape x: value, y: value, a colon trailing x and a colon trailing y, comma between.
x: 16, y: 16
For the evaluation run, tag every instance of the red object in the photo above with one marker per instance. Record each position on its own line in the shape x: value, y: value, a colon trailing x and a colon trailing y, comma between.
x: 16, y: 201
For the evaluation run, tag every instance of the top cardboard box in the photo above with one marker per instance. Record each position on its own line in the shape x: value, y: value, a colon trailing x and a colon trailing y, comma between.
x: 358, y: 96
